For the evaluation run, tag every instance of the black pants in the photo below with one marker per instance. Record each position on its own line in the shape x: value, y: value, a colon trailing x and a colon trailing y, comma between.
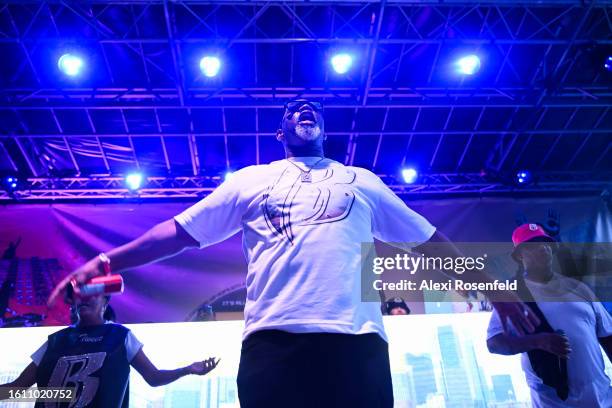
x: 314, y: 370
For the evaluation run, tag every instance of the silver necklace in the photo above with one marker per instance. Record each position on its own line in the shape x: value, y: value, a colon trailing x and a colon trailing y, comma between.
x: 306, y: 176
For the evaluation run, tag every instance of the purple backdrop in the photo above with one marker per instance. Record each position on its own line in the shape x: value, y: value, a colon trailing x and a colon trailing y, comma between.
x: 170, y: 290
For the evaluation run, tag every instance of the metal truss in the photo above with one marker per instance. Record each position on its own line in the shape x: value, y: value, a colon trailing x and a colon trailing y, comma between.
x: 448, y: 184
x: 81, y: 188
x: 19, y: 99
x: 560, y: 131
x: 443, y: 184
x: 503, y: 25
x: 561, y: 31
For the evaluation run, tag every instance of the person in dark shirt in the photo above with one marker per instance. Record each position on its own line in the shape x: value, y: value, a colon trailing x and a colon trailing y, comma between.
x: 94, y: 356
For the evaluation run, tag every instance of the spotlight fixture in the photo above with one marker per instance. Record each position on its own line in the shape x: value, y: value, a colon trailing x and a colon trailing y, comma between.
x: 134, y: 181
x: 70, y: 64
x: 409, y: 175
x: 11, y: 184
x: 11, y: 181
x: 524, y: 177
x: 342, y: 63
x: 210, y: 66
x: 608, y: 64
x: 468, y: 65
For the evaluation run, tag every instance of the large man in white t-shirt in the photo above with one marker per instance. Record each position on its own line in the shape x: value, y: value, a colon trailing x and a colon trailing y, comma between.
x: 309, y: 340
x: 562, y: 360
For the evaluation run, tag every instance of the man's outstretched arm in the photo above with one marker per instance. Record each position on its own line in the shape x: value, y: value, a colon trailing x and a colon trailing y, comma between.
x: 510, y: 307
x: 161, y: 241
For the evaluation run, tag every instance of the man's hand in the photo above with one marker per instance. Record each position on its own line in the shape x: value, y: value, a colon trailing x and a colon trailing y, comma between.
x: 90, y: 270
x: 522, y: 317
x: 555, y: 343
x: 508, y: 304
x: 552, y: 226
x: 203, y: 367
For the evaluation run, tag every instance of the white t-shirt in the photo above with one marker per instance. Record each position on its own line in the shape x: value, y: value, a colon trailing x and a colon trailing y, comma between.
x: 132, y: 347
x: 302, y: 241
x: 584, y: 320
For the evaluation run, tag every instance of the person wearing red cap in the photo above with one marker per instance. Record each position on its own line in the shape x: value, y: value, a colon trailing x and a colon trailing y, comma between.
x: 562, y: 359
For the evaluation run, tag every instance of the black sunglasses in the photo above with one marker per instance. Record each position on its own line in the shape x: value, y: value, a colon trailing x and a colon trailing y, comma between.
x: 295, y: 105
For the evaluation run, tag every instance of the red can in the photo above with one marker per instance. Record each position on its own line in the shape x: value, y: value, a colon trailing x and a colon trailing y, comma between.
x: 102, y: 285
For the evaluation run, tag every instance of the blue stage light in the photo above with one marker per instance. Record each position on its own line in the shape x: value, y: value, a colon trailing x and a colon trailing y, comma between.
x: 210, y: 66
x: 342, y: 63
x: 70, y: 64
x: 608, y: 64
x: 523, y: 177
x: 134, y: 181
x: 468, y: 65
x: 409, y: 175
x: 228, y: 175
x: 10, y: 184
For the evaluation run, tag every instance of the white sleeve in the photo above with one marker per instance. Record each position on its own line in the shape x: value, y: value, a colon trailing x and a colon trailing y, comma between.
x: 395, y: 223
x: 38, y: 355
x: 603, y: 320
x: 495, y: 325
x: 218, y: 216
x: 132, y: 345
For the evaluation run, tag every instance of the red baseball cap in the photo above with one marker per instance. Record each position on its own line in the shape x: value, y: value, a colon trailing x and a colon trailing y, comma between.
x: 529, y: 233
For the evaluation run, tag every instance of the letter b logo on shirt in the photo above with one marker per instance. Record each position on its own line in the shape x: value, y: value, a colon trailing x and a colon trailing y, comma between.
x: 328, y: 198
x: 75, y: 371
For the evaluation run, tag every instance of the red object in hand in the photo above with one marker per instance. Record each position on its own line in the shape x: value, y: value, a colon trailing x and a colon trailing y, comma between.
x: 102, y: 285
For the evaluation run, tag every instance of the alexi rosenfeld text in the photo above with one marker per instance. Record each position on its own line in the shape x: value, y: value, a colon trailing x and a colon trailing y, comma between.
x: 411, y: 264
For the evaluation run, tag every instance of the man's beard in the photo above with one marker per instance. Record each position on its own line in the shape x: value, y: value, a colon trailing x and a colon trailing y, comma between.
x: 308, y: 133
